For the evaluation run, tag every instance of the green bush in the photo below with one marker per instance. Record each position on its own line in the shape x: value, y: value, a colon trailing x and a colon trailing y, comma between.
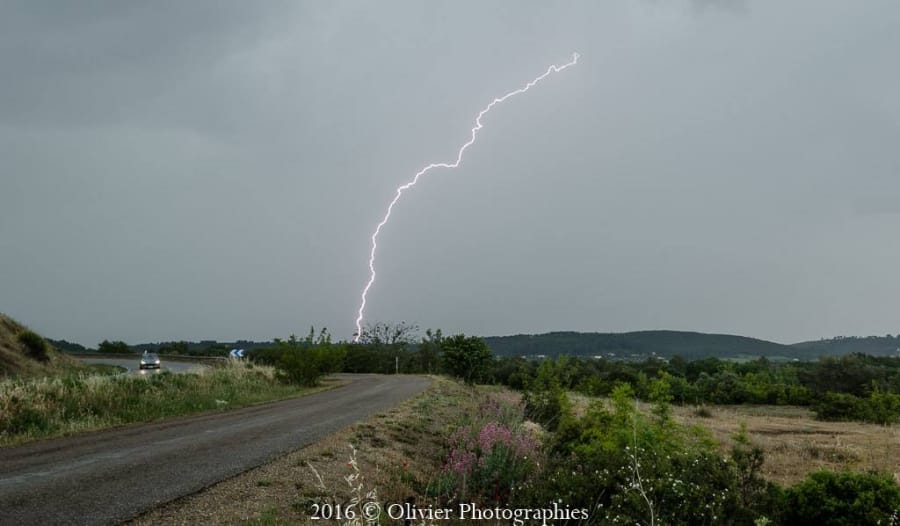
x: 467, y: 358
x: 837, y: 406
x: 545, y: 400
x: 882, y: 408
x: 628, y: 468
x: 35, y: 346
x: 879, y: 407
x: 304, y: 362
x: 843, y: 499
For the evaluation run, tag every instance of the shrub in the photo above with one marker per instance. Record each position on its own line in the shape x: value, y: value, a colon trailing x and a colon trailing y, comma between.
x: 628, y: 467
x: 466, y: 357
x: 703, y: 412
x: 836, y: 406
x: 304, y: 362
x: 545, y: 400
x: 489, y: 458
x: 880, y: 407
x: 843, y: 499
x: 35, y: 346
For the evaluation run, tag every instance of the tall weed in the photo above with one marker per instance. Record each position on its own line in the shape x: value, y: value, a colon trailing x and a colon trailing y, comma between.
x: 54, y: 406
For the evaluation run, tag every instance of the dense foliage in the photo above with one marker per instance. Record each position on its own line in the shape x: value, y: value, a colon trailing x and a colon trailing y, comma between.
x: 850, y: 387
x: 843, y: 499
x: 466, y: 357
x: 35, y: 346
x: 634, y: 467
x: 853, y: 387
x: 304, y: 362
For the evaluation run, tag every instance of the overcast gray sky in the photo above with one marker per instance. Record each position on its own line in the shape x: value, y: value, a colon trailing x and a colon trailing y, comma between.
x: 213, y: 170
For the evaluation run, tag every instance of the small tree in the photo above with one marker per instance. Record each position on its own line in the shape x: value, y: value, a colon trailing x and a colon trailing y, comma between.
x: 381, y: 347
x: 428, y: 354
x: 304, y: 362
x: 466, y: 357
x: 545, y: 399
x: 389, y: 335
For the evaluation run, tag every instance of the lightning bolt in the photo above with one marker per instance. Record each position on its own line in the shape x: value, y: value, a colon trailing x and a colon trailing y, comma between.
x: 553, y: 68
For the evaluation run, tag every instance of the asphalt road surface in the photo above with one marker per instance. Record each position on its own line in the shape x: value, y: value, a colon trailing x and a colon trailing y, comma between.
x: 133, y: 365
x: 111, y: 476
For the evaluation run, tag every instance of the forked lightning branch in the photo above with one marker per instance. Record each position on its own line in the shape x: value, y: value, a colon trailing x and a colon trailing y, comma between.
x: 459, y: 156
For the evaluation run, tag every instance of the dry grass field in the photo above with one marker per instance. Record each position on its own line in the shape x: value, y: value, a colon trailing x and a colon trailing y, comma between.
x: 795, y: 443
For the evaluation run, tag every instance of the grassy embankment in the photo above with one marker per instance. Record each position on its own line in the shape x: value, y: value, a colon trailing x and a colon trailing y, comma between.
x: 24, y: 353
x: 52, y: 406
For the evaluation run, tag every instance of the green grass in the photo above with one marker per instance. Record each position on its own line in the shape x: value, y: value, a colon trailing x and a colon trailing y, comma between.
x: 104, y: 368
x: 63, y: 405
x: 266, y: 518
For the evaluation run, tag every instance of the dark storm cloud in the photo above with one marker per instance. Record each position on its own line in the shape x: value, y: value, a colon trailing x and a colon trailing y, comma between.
x: 729, y: 5
x: 93, y: 63
x: 188, y: 170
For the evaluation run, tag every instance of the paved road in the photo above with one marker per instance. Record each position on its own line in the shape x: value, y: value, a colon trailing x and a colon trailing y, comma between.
x: 111, y: 476
x: 133, y: 365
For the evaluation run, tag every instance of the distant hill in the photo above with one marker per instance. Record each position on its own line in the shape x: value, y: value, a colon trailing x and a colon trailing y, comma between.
x: 874, y: 345
x: 22, y: 352
x: 625, y: 345
x: 64, y: 346
x: 642, y: 344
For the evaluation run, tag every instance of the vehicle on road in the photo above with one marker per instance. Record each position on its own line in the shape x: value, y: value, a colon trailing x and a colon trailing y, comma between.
x: 150, y: 360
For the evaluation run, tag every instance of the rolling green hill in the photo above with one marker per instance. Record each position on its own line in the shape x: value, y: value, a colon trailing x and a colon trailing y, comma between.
x: 642, y: 344
x: 689, y: 345
x: 874, y: 345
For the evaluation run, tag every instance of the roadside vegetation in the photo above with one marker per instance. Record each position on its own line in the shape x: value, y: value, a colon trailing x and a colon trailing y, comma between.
x: 32, y: 408
x: 618, y: 439
x: 625, y: 462
x: 630, y: 442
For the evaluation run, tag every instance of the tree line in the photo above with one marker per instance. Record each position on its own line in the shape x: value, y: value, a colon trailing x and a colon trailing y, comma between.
x: 850, y: 387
